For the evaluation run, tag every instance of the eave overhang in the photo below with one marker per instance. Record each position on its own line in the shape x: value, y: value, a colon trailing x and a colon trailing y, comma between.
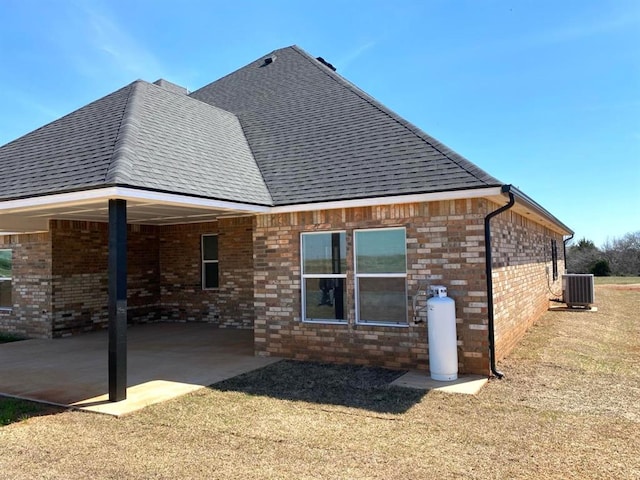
x: 160, y: 208
x: 143, y: 207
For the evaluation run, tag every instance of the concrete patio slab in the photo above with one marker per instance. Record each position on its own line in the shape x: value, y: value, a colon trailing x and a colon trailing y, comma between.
x: 466, y: 384
x: 165, y: 360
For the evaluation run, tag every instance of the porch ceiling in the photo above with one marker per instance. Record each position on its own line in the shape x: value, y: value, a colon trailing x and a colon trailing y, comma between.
x: 148, y: 208
x: 138, y: 212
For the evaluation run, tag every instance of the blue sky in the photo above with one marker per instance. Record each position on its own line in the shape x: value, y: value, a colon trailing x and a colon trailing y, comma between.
x: 542, y: 94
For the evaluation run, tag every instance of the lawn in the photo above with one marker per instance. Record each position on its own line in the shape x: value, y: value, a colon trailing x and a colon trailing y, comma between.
x: 616, y: 280
x: 15, y: 410
x: 568, y: 407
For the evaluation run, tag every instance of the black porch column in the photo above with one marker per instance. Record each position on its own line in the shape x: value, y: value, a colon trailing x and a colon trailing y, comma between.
x: 117, y: 300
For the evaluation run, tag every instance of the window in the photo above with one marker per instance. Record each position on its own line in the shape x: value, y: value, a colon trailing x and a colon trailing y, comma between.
x: 5, y: 279
x: 554, y: 259
x: 381, y: 276
x: 209, y: 261
x: 324, y: 267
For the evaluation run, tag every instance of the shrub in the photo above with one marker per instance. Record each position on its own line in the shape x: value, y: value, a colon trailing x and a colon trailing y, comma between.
x: 601, y: 269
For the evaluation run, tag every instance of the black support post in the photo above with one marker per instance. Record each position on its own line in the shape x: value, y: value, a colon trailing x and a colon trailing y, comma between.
x: 117, y: 300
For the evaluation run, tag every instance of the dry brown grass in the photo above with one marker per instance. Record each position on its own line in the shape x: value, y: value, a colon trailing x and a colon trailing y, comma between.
x: 569, y: 407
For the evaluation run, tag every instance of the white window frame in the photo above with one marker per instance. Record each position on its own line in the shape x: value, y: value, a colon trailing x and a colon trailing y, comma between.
x: 305, y: 276
x: 205, y: 262
x: 358, y: 276
x: 10, y: 279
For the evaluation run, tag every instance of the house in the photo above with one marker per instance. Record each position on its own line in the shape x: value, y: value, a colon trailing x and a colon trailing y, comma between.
x: 279, y: 198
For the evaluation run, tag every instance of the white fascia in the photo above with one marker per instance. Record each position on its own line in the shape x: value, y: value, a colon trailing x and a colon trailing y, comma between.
x: 124, y: 193
x: 397, y: 199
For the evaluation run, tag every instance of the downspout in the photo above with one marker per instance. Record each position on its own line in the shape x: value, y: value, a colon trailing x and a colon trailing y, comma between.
x: 488, y: 270
x: 564, y: 250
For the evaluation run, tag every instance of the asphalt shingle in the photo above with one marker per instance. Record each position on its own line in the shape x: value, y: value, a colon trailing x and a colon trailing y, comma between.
x: 288, y: 132
x: 316, y: 137
x: 70, y: 153
x: 140, y: 136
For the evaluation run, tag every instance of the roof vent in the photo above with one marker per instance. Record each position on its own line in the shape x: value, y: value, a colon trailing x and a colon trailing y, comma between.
x: 269, y: 60
x: 324, y: 62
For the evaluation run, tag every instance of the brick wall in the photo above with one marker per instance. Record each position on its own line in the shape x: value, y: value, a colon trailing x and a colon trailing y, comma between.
x: 31, y: 286
x: 445, y: 245
x: 61, y: 278
x: 235, y: 251
x: 182, y: 296
x: 80, y: 281
x: 522, y: 276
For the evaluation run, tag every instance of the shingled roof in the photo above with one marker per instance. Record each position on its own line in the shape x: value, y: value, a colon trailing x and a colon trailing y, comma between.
x: 284, y: 130
x: 316, y: 137
x: 142, y: 136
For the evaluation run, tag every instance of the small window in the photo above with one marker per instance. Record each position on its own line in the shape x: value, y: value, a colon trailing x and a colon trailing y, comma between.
x: 324, y: 265
x: 5, y: 279
x: 381, y: 276
x: 554, y: 259
x: 210, y: 262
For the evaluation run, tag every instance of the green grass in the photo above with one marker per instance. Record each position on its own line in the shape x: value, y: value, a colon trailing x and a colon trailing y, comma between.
x: 9, y: 337
x: 616, y: 280
x: 15, y: 410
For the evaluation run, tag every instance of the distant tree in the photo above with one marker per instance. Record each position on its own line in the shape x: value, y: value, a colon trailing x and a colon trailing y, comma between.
x: 623, y: 254
x: 582, y: 256
x: 601, y: 268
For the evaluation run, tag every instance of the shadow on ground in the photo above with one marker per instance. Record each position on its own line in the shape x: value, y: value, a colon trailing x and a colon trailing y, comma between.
x: 347, y: 385
x: 15, y: 410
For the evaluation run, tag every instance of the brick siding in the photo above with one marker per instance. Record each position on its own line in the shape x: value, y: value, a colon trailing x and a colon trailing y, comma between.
x: 445, y: 245
x: 60, y: 280
x: 235, y: 250
x: 30, y: 315
x: 522, y: 276
x: 80, y: 281
x: 182, y: 296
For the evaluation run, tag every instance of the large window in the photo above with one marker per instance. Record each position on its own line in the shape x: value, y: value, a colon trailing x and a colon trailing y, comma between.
x: 5, y: 279
x: 381, y: 276
x: 210, y: 261
x: 324, y: 267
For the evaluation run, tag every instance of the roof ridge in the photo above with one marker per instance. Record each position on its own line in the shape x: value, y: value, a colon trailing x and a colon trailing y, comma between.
x: 253, y: 156
x: 235, y: 71
x: 119, y: 170
x: 425, y: 137
x: 188, y: 96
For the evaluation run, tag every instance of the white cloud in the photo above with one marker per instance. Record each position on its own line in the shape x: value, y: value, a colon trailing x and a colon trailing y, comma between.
x: 120, y: 47
x: 97, y: 46
x: 343, y: 63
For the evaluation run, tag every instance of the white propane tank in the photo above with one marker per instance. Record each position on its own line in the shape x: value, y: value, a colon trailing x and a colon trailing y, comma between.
x: 443, y: 342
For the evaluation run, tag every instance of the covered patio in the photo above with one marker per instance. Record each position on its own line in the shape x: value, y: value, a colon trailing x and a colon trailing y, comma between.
x: 104, y: 257
x: 165, y: 360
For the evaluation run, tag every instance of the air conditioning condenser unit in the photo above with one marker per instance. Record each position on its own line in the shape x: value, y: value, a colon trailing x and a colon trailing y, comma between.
x: 577, y: 290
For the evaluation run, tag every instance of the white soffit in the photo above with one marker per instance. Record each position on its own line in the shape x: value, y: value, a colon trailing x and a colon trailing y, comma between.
x: 143, y: 207
x: 156, y: 208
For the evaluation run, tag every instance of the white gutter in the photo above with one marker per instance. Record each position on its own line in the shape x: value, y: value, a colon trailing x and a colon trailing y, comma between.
x: 368, y: 202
